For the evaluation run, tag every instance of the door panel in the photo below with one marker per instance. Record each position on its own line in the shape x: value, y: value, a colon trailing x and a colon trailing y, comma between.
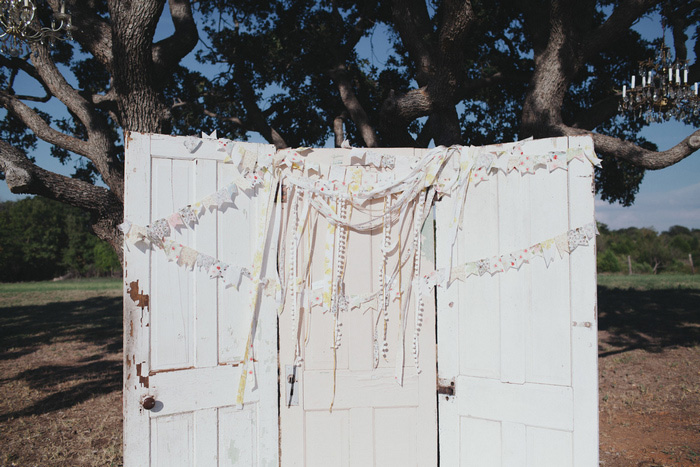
x: 184, y: 332
x: 521, y: 344
x: 374, y: 420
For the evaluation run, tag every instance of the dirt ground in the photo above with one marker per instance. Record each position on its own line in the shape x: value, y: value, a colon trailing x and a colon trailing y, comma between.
x: 649, y: 373
x: 60, y: 378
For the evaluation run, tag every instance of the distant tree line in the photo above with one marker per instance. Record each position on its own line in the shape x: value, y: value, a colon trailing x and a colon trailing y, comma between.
x: 645, y: 251
x: 42, y: 239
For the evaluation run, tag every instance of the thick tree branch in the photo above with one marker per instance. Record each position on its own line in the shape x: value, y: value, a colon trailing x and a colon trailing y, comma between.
x: 41, y: 128
x: 619, y: 22
x: 93, y: 33
x: 22, y: 176
x: 653, y: 160
x: 168, y: 52
x: 140, y: 105
x: 59, y: 87
x: 340, y: 75
x: 456, y: 20
x: 412, y: 21
x: 338, y: 131
x: 598, y: 113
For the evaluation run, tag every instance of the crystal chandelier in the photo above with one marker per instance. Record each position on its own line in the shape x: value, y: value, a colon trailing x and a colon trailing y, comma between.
x: 662, y: 92
x: 20, y: 26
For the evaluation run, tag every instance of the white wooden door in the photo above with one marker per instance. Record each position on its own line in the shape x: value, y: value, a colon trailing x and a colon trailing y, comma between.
x: 520, y: 346
x: 374, y: 421
x: 184, y: 333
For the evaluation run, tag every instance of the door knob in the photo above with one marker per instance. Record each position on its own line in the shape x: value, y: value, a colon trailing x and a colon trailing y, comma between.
x: 149, y: 402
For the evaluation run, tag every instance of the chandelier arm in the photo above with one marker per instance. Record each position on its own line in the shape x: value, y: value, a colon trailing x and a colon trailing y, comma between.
x: 41, y: 127
x: 610, y: 146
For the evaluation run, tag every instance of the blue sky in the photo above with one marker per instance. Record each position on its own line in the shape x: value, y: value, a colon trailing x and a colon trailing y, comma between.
x: 666, y: 197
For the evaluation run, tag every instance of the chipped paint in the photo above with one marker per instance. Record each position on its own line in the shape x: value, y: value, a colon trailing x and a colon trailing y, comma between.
x: 140, y: 299
x: 143, y: 380
x: 131, y: 328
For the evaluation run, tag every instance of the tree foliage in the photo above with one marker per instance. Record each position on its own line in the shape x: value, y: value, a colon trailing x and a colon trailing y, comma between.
x: 297, y: 73
x: 648, y: 251
x: 41, y: 239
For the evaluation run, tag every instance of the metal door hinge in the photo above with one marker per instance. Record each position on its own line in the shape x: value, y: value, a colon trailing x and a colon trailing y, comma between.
x: 446, y: 386
x: 291, y: 385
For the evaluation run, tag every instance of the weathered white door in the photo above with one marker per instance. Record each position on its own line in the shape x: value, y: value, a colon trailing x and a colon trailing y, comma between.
x: 184, y: 333
x: 520, y: 346
x: 374, y: 421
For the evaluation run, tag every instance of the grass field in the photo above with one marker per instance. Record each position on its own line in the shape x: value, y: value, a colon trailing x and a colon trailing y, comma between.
x: 61, y: 365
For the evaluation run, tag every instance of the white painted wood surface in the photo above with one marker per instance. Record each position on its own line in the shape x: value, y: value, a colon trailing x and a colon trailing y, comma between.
x: 184, y: 333
x: 520, y: 345
x: 374, y: 421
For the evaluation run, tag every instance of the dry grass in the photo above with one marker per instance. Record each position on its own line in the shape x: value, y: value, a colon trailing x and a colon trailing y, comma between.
x: 60, y: 361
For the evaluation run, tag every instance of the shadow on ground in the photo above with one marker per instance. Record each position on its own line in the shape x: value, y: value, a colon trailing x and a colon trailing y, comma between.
x: 65, y: 378
x: 631, y: 319
x: 96, y: 320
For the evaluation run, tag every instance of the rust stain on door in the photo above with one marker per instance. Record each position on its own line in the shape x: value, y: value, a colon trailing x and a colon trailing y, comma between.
x: 140, y: 299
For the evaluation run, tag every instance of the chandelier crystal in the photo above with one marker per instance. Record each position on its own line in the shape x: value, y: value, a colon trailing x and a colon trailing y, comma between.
x: 20, y: 26
x: 660, y: 91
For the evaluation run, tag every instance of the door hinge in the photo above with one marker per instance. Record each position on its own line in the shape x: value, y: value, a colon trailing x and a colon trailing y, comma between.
x: 446, y: 386
x: 291, y: 384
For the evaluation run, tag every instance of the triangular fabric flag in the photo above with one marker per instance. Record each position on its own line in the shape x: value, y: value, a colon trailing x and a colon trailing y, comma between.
x: 125, y: 227
x: 224, y: 145
x: 496, y: 265
x: 549, y: 251
x: 248, y: 160
x: 574, y: 153
x: 175, y: 220
x: 373, y: 158
x: 471, y: 269
x: 188, y: 257
x: 508, y: 262
x: 513, y: 162
x: 526, y: 165
x: 209, y: 202
x: 541, y: 160
x: 501, y: 162
x: 232, y: 276
x: 313, y: 166
x: 484, y: 161
x: 388, y: 161
x: 577, y: 237
x: 222, y: 197
x: 204, y: 262
x: 216, y: 269
x: 593, y: 158
x: 159, y: 229
x: 562, y: 242
x: 482, y: 266
x: 478, y: 175
x: 589, y: 230
x: 557, y: 160
x: 357, y: 156
x: 187, y: 215
x: 172, y: 251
